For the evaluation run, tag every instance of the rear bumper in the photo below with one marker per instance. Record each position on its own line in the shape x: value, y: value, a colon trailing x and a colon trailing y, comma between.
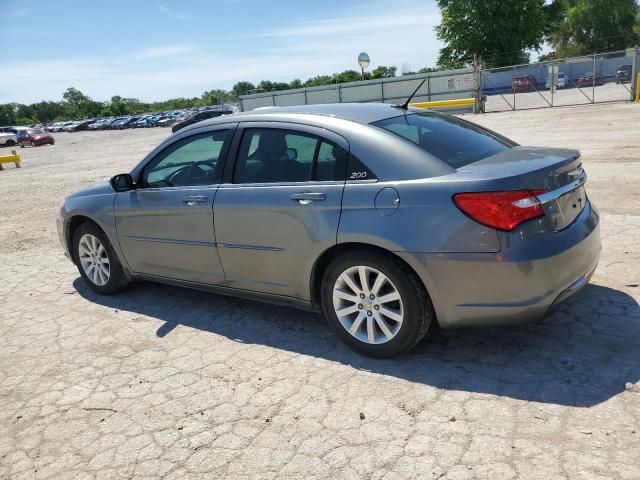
x: 534, y: 271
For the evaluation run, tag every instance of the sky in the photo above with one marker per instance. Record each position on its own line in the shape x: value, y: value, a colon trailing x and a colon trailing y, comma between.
x: 160, y: 49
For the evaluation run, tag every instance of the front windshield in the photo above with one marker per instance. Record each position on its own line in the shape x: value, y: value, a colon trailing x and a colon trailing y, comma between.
x: 447, y: 138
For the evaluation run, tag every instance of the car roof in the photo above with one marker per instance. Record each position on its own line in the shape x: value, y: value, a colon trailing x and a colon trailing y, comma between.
x: 356, y: 112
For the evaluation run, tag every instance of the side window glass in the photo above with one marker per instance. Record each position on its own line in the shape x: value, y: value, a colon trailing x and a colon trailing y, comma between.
x: 189, y: 162
x: 331, y: 163
x: 268, y: 155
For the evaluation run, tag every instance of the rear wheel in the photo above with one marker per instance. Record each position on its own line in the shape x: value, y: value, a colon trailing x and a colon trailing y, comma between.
x: 375, y: 304
x: 10, y: 143
x: 97, y: 261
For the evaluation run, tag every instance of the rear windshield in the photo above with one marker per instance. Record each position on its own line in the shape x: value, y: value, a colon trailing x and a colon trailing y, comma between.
x: 455, y: 142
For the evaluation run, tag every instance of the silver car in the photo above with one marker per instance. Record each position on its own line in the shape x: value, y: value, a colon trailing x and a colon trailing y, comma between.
x: 386, y: 219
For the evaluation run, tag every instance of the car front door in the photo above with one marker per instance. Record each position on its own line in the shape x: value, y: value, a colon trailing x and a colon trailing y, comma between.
x: 279, y: 206
x: 165, y: 225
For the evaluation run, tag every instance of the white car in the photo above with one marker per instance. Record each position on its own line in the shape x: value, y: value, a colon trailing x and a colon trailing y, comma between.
x: 561, y: 81
x: 8, y: 139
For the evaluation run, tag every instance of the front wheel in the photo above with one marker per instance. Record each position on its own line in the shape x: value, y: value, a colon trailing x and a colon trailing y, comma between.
x: 96, y: 260
x: 375, y: 304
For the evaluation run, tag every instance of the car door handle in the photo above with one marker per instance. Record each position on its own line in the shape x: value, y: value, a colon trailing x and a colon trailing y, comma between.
x: 305, y: 198
x: 193, y: 199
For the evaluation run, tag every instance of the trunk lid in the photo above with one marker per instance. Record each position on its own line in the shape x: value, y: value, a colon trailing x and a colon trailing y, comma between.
x: 557, y: 170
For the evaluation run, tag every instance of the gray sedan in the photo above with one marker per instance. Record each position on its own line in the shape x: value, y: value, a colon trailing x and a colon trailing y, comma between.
x: 387, y: 219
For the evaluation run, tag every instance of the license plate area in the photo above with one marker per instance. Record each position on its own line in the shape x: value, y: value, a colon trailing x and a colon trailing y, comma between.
x: 565, y: 209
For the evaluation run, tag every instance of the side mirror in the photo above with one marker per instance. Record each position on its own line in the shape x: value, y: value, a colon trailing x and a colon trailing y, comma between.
x: 122, y: 182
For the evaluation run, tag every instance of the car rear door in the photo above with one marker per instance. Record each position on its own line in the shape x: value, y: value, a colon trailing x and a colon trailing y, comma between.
x: 279, y: 205
x: 165, y: 226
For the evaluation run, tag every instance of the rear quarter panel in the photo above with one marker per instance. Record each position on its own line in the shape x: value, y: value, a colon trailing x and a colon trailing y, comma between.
x: 425, y: 220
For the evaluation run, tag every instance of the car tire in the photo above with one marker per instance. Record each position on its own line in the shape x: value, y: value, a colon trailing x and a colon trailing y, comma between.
x: 10, y: 143
x: 91, y: 247
x: 372, y: 326
x: 32, y: 144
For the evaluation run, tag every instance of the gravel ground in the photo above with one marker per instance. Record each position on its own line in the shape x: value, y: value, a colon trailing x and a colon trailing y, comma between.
x: 162, y: 382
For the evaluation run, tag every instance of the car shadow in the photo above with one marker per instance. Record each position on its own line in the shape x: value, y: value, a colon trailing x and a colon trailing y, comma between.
x: 581, y: 355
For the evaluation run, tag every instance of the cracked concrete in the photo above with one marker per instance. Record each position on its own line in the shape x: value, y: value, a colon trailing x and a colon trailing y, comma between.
x: 160, y: 382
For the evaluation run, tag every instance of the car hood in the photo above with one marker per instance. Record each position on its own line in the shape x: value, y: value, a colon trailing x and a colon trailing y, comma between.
x: 100, y: 188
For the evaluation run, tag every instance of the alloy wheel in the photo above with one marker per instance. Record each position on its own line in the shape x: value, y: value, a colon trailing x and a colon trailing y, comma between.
x: 368, y: 304
x: 94, y: 259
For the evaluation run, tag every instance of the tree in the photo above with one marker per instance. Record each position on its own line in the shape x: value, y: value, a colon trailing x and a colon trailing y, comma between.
x: 241, y: 88
x: 383, y: 72
x: 587, y: 26
x: 214, y: 97
x: 80, y: 105
x: 498, y: 31
x: 8, y: 114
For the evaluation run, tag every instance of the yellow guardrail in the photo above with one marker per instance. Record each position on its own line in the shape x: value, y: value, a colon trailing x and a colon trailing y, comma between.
x: 458, y: 102
x: 13, y: 158
x: 638, y: 88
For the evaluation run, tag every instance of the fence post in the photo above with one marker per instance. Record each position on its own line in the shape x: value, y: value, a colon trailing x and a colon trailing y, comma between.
x: 382, y: 90
x: 429, y: 87
x: 339, y: 93
x: 593, y: 82
x: 305, y: 97
x: 513, y: 77
x: 477, y: 77
x: 634, y: 72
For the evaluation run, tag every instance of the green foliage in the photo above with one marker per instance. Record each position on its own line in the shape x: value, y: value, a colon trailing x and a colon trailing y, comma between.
x: 383, y: 72
x: 241, y: 88
x: 498, y: 31
x: 587, y: 26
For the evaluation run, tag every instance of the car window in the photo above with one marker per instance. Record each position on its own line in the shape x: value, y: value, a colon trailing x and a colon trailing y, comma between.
x: 189, y: 162
x: 268, y: 155
x: 447, y: 138
x: 331, y: 163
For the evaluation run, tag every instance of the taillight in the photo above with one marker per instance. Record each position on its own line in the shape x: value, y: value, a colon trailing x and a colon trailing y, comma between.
x: 501, y: 210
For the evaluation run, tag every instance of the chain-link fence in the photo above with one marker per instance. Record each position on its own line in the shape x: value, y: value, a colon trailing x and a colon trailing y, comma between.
x: 605, y: 77
x: 441, y: 85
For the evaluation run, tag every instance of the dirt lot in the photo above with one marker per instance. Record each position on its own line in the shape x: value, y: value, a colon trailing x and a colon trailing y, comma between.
x: 163, y: 382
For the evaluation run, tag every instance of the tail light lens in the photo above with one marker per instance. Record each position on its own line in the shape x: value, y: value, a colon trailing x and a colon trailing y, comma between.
x: 501, y: 210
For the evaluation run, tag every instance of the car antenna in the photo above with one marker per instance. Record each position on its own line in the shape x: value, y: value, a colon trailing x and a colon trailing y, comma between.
x: 405, y: 105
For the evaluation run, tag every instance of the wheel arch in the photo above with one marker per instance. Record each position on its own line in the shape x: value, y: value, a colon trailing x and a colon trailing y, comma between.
x: 72, y: 226
x: 324, y: 260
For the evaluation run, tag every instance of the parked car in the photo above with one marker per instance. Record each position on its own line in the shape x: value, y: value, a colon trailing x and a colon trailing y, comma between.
x: 386, y: 219
x: 79, y: 126
x: 8, y: 139
x: 523, y: 83
x: 623, y: 75
x: 587, y: 80
x: 166, y: 121
x: 145, y: 122
x: 561, y: 81
x: 118, y: 123
x: 198, y: 117
x: 34, y: 137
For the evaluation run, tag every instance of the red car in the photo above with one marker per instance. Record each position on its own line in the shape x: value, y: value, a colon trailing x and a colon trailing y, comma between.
x: 587, y: 80
x: 34, y: 137
x: 523, y: 83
